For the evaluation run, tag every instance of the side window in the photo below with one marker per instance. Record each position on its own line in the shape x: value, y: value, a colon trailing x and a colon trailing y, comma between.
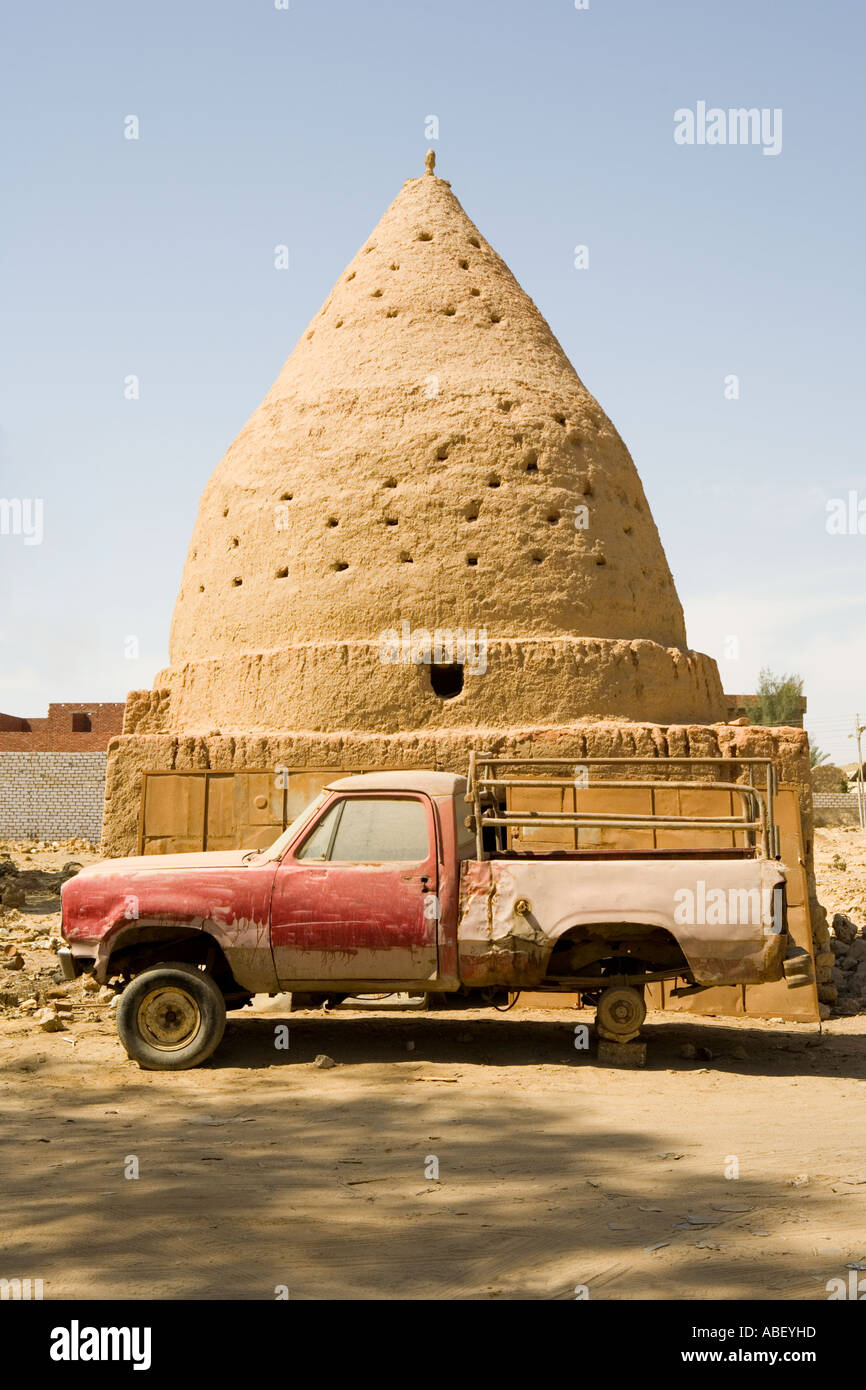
x: 373, y: 831
x: 318, y: 842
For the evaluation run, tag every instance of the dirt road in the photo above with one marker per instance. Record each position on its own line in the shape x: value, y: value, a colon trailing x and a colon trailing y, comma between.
x: 445, y: 1155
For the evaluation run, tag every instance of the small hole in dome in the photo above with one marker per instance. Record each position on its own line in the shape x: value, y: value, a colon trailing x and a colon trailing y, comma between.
x: 195, y: 554
x: 310, y: 334
x: 472, y: 559
x: 406, y: 558
x: 474, y: 291
x: 600, y: 559
x: 332, y: 521
x: 351, y: 276
x: 201, y: 588
x: 282, y: 572
x: 494, y: 480
x: 443, y: 451
x: 505, y: 405
x: 390, y: 520
x: 286, y: 496
x: 235, y: 542
x: 340, y: 565
x: 237, y: 581
x: 560, y: 419
x: 553, y: 518
x: 464, y: 265
x: 339, y: 323
x: 368, y: 249
x: 495, y: 318
x: 447, y: 679
x: 225, y: 511
x: 471, y: 511
x: 424, y: 236
x: 377, y: 294
x: 395, y: 265
x: 530, y: 461
x: 391, y: 314
x: 449, y: 311
x: 536, y: 557
x: 473, y: 241
x: 390, y: 482
x: 574, y: 439
x: 627, y: 529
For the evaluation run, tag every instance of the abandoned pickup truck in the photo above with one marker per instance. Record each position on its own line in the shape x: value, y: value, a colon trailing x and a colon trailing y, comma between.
x: 422, y: 882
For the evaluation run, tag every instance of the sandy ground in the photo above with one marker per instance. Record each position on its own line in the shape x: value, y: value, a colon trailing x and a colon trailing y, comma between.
x: 451, y: 1154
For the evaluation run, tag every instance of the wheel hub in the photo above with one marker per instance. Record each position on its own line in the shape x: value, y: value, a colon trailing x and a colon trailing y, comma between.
x: 621, y: 1011
x: 169, y: 1018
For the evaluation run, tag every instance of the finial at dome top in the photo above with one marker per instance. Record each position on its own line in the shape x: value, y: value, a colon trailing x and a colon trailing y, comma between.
x: 430, y: 161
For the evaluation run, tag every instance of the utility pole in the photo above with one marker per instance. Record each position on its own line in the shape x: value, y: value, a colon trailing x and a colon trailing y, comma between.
x: 859, y: 729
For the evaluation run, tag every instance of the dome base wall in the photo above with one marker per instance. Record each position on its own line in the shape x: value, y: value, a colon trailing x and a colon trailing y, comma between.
x: 385, y: 688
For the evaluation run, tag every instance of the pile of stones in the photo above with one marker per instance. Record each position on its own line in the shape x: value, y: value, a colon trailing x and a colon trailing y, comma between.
x: 848, y: 944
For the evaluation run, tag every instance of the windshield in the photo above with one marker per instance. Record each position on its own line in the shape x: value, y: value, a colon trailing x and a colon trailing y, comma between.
x: 275, y: 850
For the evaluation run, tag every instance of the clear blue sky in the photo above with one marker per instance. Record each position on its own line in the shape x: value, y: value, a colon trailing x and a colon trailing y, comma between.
x: 261, y: 126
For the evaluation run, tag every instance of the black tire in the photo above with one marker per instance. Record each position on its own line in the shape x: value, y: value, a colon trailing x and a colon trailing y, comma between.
x: 171, y: 1017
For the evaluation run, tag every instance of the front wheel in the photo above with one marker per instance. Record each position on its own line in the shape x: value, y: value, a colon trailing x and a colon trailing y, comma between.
x: 171, y: 1017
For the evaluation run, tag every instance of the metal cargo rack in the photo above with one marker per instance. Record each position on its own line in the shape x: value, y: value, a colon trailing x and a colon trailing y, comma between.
x: 491, y: 777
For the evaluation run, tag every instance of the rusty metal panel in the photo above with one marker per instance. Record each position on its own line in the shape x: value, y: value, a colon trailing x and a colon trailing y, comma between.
x: 173, y: 814
x: 616, y: 801
x: 304, y: 786
x: 540, y: 839
x: 220, y: 808
x: 727, y: 1000
x: 691, y: 801
x: 776, y: 1000
x: 254, y: 816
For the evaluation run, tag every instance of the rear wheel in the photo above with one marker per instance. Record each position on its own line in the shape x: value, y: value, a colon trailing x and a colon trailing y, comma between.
x: 171, y: 1017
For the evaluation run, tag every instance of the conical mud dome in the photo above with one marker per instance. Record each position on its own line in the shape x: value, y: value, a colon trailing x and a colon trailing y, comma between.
x: 428, y: 459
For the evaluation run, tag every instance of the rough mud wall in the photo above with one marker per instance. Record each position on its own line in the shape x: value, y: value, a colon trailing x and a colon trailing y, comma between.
x: 428, y: 455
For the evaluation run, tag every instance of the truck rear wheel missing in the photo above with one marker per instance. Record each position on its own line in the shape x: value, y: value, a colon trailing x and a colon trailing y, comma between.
x: 171, y: 1017
x: 620, y: 1014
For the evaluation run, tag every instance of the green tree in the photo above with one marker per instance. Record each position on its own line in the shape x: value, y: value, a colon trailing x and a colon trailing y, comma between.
x: 777, y: 699
x: 817, y: 756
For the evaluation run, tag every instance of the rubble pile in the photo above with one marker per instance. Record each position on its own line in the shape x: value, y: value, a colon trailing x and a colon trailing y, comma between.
x: 32, y: 985
x: 848, y: 943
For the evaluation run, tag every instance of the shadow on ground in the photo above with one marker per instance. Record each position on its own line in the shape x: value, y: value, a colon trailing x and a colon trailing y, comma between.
x: 261, y: 1171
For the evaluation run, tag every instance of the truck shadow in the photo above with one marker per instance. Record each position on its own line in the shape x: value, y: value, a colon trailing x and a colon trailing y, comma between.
x: 474, y: 1037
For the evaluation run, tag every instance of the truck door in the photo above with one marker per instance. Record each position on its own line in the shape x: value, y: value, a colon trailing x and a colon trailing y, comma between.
x: 356, y: 898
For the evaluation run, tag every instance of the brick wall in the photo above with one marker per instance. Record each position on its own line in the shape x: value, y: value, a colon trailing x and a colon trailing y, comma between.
x: 51, y: 796
x: 67, y: 728
x: 835, y: 801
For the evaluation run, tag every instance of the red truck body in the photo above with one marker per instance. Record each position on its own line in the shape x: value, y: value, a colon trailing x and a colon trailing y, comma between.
x: 382, y: 885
